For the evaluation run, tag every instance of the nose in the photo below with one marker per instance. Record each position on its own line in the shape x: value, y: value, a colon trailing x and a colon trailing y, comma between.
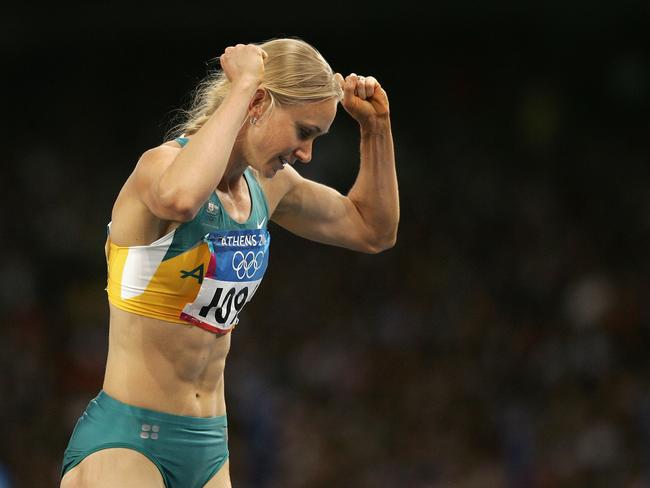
x: 303, y: 152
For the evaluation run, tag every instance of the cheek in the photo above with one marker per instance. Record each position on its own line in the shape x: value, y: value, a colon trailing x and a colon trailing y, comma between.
x: 275, y: 144
x: 268, y: 143
x: 263, y: 153
x: 258, y: 147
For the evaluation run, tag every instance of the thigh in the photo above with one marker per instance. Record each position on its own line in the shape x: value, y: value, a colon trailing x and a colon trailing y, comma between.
x: 221, y: 478
x: 114, y: 467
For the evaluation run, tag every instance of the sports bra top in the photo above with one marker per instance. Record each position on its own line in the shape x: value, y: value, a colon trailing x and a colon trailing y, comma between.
x: 202, y: 273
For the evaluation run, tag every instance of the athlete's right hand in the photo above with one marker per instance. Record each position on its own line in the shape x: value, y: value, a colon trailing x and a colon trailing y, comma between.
x: 243, y: 63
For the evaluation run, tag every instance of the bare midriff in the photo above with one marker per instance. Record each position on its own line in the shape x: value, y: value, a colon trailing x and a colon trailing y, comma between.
x: 171, y: 368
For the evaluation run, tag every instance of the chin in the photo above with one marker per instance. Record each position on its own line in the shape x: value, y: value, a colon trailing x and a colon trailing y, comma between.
x: 270, y: 171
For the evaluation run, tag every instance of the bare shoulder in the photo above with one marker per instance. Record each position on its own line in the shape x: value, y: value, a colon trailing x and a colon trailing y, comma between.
x: 278, y: 187
x: 150, y: 165
x: 165, y: 153
x: 133, y: 221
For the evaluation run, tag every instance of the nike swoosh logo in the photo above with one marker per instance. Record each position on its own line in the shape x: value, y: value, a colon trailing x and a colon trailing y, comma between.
x: 260, y: 224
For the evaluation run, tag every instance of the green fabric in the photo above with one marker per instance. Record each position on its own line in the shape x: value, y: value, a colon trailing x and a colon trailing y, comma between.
x: 213, y: 217
x: 188, y: 451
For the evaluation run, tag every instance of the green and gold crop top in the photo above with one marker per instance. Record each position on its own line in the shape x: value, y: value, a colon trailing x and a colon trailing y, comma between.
x: 202, y: 273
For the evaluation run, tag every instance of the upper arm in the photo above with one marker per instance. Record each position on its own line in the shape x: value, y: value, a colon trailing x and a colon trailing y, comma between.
x: 147, y: 178
x: 317, y: 212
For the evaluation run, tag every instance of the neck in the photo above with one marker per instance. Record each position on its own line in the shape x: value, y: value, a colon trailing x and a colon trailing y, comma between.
x: 232, y: 176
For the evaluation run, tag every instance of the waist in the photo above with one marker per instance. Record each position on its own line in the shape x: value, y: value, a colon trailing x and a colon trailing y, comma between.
x: 196, y: 423
x: 168, y: 367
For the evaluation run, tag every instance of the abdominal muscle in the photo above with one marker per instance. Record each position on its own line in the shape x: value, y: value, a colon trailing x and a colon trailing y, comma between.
x: 171, y: 368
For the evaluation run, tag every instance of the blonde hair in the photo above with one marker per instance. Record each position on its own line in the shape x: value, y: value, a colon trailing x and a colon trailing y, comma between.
x: 294, y: 73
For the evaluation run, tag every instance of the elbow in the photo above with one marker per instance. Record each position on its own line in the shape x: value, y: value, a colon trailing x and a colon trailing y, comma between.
x: 185, y: 213
x: 381, y: 244
x: 390, y: 243
x: 178, y: 206
x: 384, y: 239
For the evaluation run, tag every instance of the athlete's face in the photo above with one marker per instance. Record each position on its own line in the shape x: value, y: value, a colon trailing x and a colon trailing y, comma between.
x: 287, y: 134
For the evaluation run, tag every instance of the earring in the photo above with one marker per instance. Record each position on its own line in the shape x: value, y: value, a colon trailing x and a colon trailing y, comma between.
x: 253, y: 120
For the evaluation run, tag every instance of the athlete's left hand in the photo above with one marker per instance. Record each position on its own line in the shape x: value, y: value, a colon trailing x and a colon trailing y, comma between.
x: 363, y: 98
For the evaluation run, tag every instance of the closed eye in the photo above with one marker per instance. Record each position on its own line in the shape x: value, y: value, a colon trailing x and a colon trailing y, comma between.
x: 307, y: 131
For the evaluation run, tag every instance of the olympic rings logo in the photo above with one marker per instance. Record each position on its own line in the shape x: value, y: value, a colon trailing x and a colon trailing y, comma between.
x: 247, y: 265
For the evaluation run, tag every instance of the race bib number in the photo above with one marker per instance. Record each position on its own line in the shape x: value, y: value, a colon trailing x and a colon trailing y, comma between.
x: 238, y: 260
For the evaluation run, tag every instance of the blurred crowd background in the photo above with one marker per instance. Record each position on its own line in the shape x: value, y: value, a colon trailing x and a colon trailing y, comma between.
x: 503, y: 342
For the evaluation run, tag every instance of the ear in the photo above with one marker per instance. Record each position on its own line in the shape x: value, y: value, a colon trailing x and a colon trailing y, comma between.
x: 256, y: 105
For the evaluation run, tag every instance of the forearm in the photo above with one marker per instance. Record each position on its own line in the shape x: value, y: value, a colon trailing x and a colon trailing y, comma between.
x: 199, y: 167
x: 375, y: 191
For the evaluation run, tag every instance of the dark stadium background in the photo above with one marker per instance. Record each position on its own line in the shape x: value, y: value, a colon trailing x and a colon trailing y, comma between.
x: 502, y: 342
